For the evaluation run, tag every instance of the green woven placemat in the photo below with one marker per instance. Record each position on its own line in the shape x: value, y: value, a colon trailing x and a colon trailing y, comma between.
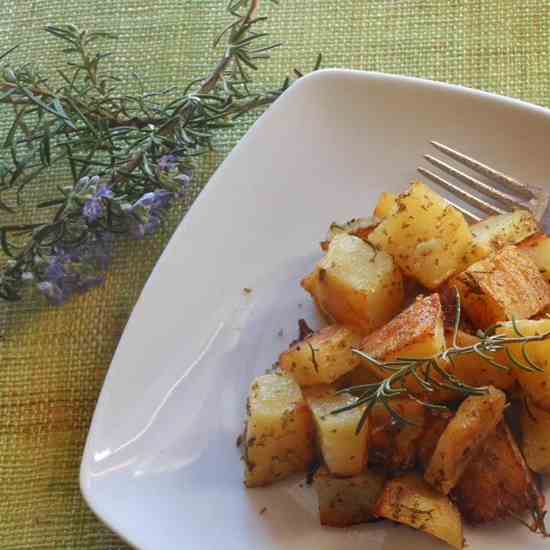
x: 53, y: 361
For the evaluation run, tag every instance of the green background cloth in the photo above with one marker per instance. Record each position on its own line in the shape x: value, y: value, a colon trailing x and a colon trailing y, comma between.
x: 53, y: 361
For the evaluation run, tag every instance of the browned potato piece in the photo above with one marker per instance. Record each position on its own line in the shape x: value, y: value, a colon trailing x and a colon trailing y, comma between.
x: 322, y: 357
x: 394, y: 445
x: 497, y: 482
x: 501, y: 287
x: 410, y: 500
x: 344, y: 451
x: 416, y: 332
x: 496, y: 232
x: 279, y: 433
x: 428, y: 238
x: 473, y: 370
x: 358, y: 376
x: 474, y: 420
x: 535, y: 443
x: 538, y: 249
x: 356, y: 285
x: 347, y: 501
x: 435, y: 425
x: 536, y: 385
x: 386, y: 206
x: 360, y: 227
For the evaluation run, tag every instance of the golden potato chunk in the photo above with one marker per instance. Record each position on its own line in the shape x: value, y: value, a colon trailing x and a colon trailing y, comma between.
x: 473, y: 370
x: 434, y: 426
x: 410, y: 500
x: 535, y: 443
x: 427, y: 237
x: 473, y: 422
x: 362, y: 374
x: 501, y: 287
x: 416, y: 332
x: 356, y: 285
x: 386, y: 206
x: 280, y: 435
x: 496, y: 232
x: 347, y: 501
x: 538, y: 249
x: 321, y: 357
x: 497, y: 482
x: 360, y: 227
x: 536, y: 385
x: 344, y: 451
x: 394, y: 445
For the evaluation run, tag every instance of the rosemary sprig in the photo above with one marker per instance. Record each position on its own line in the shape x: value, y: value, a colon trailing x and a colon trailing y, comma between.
x: 130, y: 153
x: 431, y: 376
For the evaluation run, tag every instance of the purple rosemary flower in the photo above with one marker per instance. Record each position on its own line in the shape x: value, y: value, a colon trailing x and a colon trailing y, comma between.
x: 147, y: 212
x: 94, y: 207
x: 168, y: 163
x: 174, y: 176
x: 76, y: 269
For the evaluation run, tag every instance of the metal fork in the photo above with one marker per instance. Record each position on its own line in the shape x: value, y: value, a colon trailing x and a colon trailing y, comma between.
x: 508, y: 194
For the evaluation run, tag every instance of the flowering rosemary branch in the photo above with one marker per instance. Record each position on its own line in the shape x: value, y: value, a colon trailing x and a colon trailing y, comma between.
x: 130, y: 155
x: 431, y: 376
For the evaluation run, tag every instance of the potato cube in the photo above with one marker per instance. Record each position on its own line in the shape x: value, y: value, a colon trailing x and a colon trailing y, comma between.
x: 410, y: 500
x: 322, y: 357
x: 356, y: 285
x: 473, y: 370
x: 386, y: 206
x: 394, y: 445
x: 280, y: 432
x: 344, y: 451
x: 501, y: 287
x: 434, y: 426
x: 362, y: 374
x: 536, y: 385
x: 473, y: 422
x: 535, y: 444
x: 496, y: 232
x: 538, y: 249
x: 497, y: 482
x: 416, y: 332
x: 427, y: 237
x: 347, y: 501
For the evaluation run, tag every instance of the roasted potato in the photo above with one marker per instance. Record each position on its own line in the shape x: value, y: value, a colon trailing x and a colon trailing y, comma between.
x: 344, y: 451
x: 537, y: 248
x: 497, y: 482
x: 386, y: 206
x: 280, y: 435
x: 356, y: 285
x: 473, y: 370
x: 496, y: 232
x: 416, y: 332
x: 360, y: 227
x: 321, y: 357
x: 347, y: 501
x: 504, y: 286
x: 360, y: 375
x: 435, y: 424
x: 393, y: 444
x: 536, y: 385
x: 535, y: 441
x: 410, y: 500
x: 428, y: 238
x: 474, y: 420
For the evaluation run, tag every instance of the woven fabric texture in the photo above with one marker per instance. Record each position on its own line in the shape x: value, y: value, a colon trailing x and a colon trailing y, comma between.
x: 53, y: 361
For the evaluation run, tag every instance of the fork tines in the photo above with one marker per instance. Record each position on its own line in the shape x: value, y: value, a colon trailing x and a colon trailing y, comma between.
x: 517, y: 194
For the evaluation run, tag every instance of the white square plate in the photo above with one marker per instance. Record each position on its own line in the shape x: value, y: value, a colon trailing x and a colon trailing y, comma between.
x: 161, y: 466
